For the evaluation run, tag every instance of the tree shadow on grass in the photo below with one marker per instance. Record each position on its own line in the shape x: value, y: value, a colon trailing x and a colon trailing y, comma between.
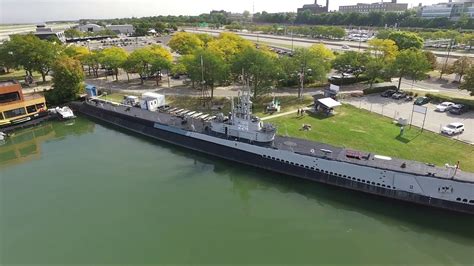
x: 406, y: 139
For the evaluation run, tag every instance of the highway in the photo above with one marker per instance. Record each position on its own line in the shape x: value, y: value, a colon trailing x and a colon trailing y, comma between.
x: 287, y: 42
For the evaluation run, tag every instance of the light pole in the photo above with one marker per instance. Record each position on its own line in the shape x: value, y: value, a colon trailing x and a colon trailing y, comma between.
x: 447, y: 58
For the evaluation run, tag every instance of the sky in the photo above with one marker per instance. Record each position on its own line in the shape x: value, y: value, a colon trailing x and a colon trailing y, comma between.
x: 34, y: 11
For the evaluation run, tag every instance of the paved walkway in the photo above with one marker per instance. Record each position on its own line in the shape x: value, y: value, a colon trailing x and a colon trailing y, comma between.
x: 278, y: 115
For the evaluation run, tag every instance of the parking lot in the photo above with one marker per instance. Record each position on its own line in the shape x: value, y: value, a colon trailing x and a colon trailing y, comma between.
x: 396, y: 109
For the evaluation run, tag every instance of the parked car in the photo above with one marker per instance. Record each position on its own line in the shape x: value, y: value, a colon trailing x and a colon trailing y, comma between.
x: 458, y: 109
x: 399, y: 95
x: 422, y: 100
x: 388, y: 93
x: 453, y: 128
x: 444, y: 106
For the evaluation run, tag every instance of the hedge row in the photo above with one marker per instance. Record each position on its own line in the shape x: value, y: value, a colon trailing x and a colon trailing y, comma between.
x: 436, y: 98
x: 347, y: 81
x: 379, y: 89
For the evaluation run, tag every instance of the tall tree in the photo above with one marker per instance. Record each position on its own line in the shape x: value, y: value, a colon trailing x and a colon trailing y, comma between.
x: 461, y: 66
x: 185, y: 43
x: 68, y: 80
x: 310, y: 67
x: 410, y: 63
x: 227, y: 45
x: 147, y: 61
x: 32, y: 53
x: 207, y: 66
x: 113, y: 58
x: 406, y: 40
x: 350, y: 62
x: 468, y: 83
x: 384, y: 50
x: 259, y: 69
x: 321, y: 51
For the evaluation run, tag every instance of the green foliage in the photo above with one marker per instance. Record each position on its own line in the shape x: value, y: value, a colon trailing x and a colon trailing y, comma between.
x: 31, y: 53
x: 384, y: 50
x: 74, y: 33
x: 406, y: 40
x: 68, y: 80
x: 227, y: 45
x: 185, y: 43
x: 208, y: 66
x: 260, y: 69
x: 431, y: 57
x: 410, y: 63
x: 113, y: 58
x: 148, y: 61
x: 350, y: 62
x: 468, y: 83
x: 461, y: 66
x: 307, y: 62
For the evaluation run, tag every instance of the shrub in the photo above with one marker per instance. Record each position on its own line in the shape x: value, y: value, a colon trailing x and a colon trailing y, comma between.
x: 436, y: 98
x: 347, y: 81
x: 379, y: 89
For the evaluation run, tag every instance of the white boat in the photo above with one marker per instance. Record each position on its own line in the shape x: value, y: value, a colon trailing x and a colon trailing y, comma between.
x: 64, y: 112
x: 3, y: 136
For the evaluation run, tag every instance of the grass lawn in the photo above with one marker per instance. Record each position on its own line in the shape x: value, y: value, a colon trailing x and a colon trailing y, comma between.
x: 288, y: 103
x: 362, y: 130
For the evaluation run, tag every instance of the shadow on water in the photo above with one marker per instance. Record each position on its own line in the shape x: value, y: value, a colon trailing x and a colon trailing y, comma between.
x: 389, y: 211
x: 26, y: 144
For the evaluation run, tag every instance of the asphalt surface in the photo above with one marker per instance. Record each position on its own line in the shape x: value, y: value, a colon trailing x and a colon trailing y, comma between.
x: 396, y: 109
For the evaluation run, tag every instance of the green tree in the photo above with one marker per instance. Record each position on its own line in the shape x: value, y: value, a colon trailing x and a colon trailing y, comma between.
x: 113, y: 58
x: 185, y: 43
x: 324, y: 53
x: 259, y: 69
x: 32, y: 53
x: 350, y: 62
x: 309, y: 67
x: 208, y: 66
x: 384, y: 50
x: 7, y: 60
x: 374, y: 69
x: 68, y: 80
x: 147, y: 61
x: 93, y: 59
x: 431, y: 57
x: 468, y: 83
x: 411, y: 63
x: 227, y: 45
x: 406, y: 40
x: 461, y: 66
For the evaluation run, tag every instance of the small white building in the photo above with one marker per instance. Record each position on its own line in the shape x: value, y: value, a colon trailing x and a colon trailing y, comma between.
x: 90, y: 28
x: 122, y: 29
x: 152, y: 101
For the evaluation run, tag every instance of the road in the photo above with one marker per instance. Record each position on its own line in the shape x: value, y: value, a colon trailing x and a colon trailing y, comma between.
x: 396, y: 109
x: 288, y: 42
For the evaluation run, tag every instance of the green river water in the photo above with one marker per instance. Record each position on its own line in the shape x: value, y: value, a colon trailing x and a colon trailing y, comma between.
x: 85, y: 193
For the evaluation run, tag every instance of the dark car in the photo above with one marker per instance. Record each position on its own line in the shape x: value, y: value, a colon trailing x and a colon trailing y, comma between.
x: 388, y: 93
x: 458, y: 109
x: 421, y: 100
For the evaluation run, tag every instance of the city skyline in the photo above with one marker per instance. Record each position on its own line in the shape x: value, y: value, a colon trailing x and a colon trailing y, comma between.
x: 36, y: 11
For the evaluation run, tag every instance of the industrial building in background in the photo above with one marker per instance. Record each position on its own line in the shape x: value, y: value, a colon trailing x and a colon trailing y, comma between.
x: 46, y: 33
x: 315, y: 8
x: 392, y: 6
x: 453, y: 10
